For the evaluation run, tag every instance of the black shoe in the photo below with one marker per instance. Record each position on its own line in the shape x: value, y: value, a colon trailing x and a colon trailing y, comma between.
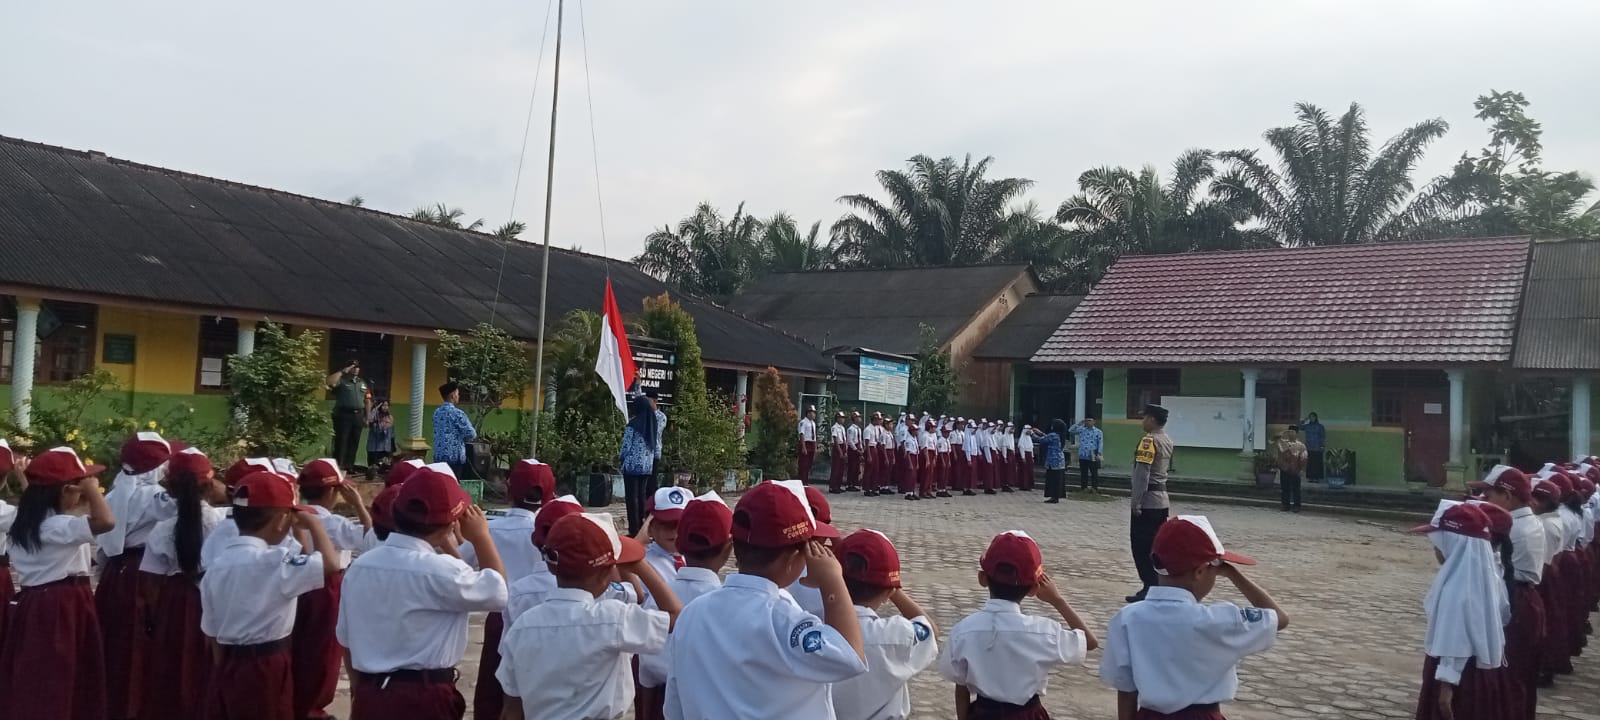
x: 870, y: 493
x: 968, y: 493
x: 942, y: 493
x: 1006, y: 489
x: 988, y: 492
x: 1053, y: 501
x: 835, y: 492
x: 911, y: 496
x: 1295, y: 511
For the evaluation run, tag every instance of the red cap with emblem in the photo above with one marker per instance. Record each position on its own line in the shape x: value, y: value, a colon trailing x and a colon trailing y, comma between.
x: 550, y: 514
x: 59, y: 467
x: 1012, y: 558
x: 868, y: 557
x: 1507, y: 479
x: 431, y: 498
x: 532, y: 482
x: 237, y: 472
x: 1460, y: 518
x: 144, y: 452
x: 264, y: 489
x: 321, y: 473
x: 667, y: 504
x: 1187, y: 542
x: 191, y: 462
x: 383, y: 507
x: 582, y: 543
x: 823, y: 512
x: 402, y: 470
x: 774, y: 514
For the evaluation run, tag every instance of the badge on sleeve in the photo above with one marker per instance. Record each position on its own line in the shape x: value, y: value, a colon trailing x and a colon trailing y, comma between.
x: 812, y: 641
x: 1145, y: 454
x: 298, y: 560
x: 1252, y: 615
x: 922, y: 631
x: 795, y: 634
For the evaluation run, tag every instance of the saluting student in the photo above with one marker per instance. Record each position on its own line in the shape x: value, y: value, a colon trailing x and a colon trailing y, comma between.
x: 226, y: 529
x: 896, y: 648
x: 746, y: 650
x: 178, y: 662
x: 248, y: 600
x: 1025, y: 458
x: 838, y: 454
x: 870, y: 463
x: 1169, y: 655
x: 316, y: 652
x: 1467, y: 612
x: 705, y: 536
x: 804, y: 590
x: 999, y: 657
x: 852, y: 441
x: 1508, y: 488
x: 405, y: 605
x: 138, y: 502
x: 1552, y: 584
x: 960, y: 479
x: 569, y: 657
x: 910, y: 462
x: 528, y: 486
x: 52, y: 664
x: 1008, y: 456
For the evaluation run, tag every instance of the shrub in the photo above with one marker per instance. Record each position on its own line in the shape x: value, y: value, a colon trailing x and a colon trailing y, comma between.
x: 773, y: 429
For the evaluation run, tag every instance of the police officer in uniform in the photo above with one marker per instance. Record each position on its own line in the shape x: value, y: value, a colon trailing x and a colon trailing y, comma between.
x: 1148, y: 500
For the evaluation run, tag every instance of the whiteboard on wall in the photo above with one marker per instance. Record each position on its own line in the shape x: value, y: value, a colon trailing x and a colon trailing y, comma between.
x: 1214, y: 422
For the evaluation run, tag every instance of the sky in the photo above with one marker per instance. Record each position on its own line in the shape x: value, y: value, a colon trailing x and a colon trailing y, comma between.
x: 784, y: 106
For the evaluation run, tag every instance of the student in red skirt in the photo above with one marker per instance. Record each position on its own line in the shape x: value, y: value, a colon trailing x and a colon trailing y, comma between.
x: 1467, y: 613
x: 910, y: 461
x: 313, y: 648
x: 406, y: 602
x: 9, y: 471
x: 1508, y: 488
x: 1170, y: 655
x: 1552, y: 584
x: 52, y: 665
x: 1510, y: 694
x: 248, y: 600
x: 1573, y: 566
x: 138, y: 501
x: 1000, y: 657
x: 178, y: 657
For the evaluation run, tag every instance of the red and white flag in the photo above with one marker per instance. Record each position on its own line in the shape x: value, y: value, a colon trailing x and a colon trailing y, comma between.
x: 615, y: 361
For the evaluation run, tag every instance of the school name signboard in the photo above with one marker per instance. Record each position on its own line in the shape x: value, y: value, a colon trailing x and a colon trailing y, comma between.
x: 657, y: 364
x: 884, y: 381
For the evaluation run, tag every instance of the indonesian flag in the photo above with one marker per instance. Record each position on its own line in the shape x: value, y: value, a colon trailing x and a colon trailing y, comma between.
x: 615, y: 361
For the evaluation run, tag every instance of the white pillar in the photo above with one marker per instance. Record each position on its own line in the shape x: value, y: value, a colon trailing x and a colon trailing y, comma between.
x: 419, y: 378
x: 1248, y: 438
x: 1080, y: 394
x: 742, y: 392
x: 23, y: 348
x: 1458, y: 413
x: 1580, y: 417
x: 247, y: 338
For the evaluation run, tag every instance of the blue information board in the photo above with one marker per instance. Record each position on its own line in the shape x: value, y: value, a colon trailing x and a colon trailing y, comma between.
x: 884, y: 381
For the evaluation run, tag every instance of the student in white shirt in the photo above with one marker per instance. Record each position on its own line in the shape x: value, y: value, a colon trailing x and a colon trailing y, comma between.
x: 706, y: 539
x: 999, y: 657
x: 317, y: 655
x: 226, y: 530
x: 1467, y: 612
x: 52, y: 664
x: 1169, y: 655
x: 871, y: 462
x: 404, y: 609
x: 664, y: 509
x: 1025, y: 458
x: 138, y: 502
x: 746, y: 650
x: 838, y: 454
x: 852, y: 442
x: 248, y: 594
x: 803, y: 590
x: 569, y: 657
x: 960, y: 477
x: 807, y: 452
x: 1509, y: 489
x: 910, y: 462
x: 896, y: 647
x: 179, y: 660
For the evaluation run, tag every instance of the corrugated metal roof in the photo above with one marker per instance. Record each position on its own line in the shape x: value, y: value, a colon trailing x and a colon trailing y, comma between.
x: 1021, y: 334
x: 100, y: 226
x: 1439, y: 302
x: 881, y: 309
x: 1560, y: 326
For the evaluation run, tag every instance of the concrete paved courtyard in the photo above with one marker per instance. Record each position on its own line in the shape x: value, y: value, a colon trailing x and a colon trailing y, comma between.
x: 1353, y: 588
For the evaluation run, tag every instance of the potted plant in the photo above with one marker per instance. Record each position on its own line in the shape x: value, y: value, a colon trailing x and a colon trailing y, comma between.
x: 1266, y: 469
x: 1337, y: 464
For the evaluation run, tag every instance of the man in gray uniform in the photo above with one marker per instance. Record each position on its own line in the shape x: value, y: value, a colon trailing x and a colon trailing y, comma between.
x: 1149, y: 500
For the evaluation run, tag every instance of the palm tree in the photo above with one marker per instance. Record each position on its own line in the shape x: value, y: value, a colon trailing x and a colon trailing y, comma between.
x: 356, y: 201
x: 706, y: 254
x: 1029, y: 236
x: 938, y: 212
x: 784, y: 249
x: 510, y: 230
x: 445, y: 216
x: 1329, y: 188
x: 1121, y: 212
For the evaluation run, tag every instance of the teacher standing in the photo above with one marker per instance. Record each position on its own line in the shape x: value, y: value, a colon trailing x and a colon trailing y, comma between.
x: 641, y: 447
x: 1055, y: 461
x: 1148, y: 499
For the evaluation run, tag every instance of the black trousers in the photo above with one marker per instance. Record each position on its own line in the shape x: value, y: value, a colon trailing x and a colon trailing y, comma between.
x: 637, y: 490
x: 347, y: 427
x: 1088, y: 472
x: 1142, y: 536
x: 1289, y: 488
x: 1314, y: 467
x: 1054, y: 480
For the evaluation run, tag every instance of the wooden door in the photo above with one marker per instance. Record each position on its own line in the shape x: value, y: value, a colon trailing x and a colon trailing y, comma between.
x: 1427, y: 425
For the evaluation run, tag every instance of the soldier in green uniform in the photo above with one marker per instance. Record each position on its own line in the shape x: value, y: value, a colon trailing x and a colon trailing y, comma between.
x: 1148, y: 500
x: 352, y: 404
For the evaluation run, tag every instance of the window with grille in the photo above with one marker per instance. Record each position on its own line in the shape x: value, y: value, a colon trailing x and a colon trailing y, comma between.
x: 1389, y: 392
x: 65, y: 349
x: 219, y: 339
x: 1147, y: 385
x: 1281, y: 389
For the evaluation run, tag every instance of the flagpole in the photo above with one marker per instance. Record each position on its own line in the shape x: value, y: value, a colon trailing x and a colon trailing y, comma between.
x: 544, y: 283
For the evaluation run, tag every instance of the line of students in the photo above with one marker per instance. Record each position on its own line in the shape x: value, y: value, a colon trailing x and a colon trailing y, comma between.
x: 1519, y: 575
x: 924, y: 458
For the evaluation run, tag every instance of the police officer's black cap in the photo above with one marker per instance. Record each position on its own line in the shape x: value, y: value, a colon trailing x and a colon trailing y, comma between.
x: 1155, y: 411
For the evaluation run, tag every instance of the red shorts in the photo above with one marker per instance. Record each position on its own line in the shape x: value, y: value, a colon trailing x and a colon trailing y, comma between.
x: 253, y: 682
x: 407, y: 694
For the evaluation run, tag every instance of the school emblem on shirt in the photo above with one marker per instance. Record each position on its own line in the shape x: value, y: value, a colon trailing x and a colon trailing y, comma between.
x: 1252, y: 615
x: 813, y: 641
x: 922, y: 631
x: 1146, y: 452
x: 794, y: 635
x: 298, y: 560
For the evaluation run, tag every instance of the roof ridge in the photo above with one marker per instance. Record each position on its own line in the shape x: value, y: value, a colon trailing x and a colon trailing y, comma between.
x: 966, y: 266
x: 1332, y: 248
x: 106, y: 157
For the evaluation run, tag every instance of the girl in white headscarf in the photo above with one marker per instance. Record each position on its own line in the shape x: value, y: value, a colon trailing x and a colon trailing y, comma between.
x: 1467, y: 613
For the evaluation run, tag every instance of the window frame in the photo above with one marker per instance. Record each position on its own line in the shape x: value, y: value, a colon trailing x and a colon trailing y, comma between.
x: 1280, y: 393
x: 202, y: 337
x: 1151, y: 385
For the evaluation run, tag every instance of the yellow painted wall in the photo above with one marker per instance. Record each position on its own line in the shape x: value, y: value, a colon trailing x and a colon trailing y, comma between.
x: 166, y: 349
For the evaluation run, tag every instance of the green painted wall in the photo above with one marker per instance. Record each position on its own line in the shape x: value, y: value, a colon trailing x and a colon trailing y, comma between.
x: 1113, y: 400
x: 1339, y: 396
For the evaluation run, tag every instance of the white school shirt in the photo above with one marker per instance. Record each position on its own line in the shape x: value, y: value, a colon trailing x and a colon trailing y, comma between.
x: 1007, y: 442
x: 1176, y: 652
x: 971, y: 444
x: 247, y: 596
x: 944, y: 445
x: 1004, y: 654
x: 837, y: 434
x: 747, y: 651
x: 662, y: 561
x: 65, y: 550
x: 691, y: 582
x: 8, y: 515
x: 161, y: 549
x: 1555, y: 536
x: 531, y: 592
x: 869, y: 436
x: 1527, y: 545
x: 346, y: 535
x: 910, y: 445
x: 1586, y: 527
x: 226, y: 530
x: 927, y: 439
x: 852, y: 437
x: 808, y: 430
x: 1025, y: 444
x: 1572, y: 523
x: 958, y: 438
x: 571, y: 657
x: 808, y: 598
x: 143, y: 503
x: 896, y: 650
x: 404, y: 606
x: 513, y: 538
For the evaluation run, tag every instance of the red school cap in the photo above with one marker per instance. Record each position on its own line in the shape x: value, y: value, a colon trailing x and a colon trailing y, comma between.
x: 707, y: 524
x: 237, y: 472
x: 1459, y: 518
x: 383, y: 507
x: 8, y: 459
x: 1586, y: 487
x: 868, y: 557
x: 667, y: 504
x: 1563, y: 482
x: 59, y: 467
x: 144, y: 452
x: 1499, y: 518
x: 551, y: 513
x: 263, y: 489
x: 1547, y: 488
x: 774, y: 514
x: 1013, y: 559
x: 583, y: 542
x: 400, y: 471
x: 320, y: 473
x: 191, y: 462
x: 823, y: 512
x: 528, y: 476
x: 1508, y: 479
x: 1187, y: 542
x: 431, y: 498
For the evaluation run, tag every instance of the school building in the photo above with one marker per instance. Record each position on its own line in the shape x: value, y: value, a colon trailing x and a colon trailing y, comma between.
x: 1411, y: 354
x: 158, y: 276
